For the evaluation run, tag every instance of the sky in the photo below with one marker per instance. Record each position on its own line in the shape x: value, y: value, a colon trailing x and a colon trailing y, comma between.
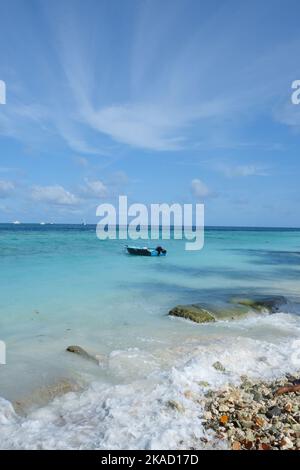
x: 165, y: 101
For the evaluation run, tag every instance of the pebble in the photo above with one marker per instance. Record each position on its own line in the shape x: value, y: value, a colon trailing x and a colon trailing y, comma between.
x: 246, y: 424
x: 286, y: 443
x: 252, y: 417
x: 249, y: 436
x: 288, y: 407
x: 207, y: 415
x: 223, y: 408
x: 257, y: 396
x: 236, y: 445
x: 273, y: 411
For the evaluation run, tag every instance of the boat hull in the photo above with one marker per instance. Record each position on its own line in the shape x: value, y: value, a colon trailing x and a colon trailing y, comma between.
x: 136, y: 251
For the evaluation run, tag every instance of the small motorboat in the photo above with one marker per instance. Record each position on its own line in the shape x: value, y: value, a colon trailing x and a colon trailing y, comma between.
x: 145, y: 251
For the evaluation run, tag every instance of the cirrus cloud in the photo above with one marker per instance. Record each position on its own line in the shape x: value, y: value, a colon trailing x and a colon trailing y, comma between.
x: 55, y: 194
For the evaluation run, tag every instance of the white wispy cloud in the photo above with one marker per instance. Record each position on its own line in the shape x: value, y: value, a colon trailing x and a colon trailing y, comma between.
x: 152, y: 93
x: 242, y: 170
x: 151, y: 126
x: 136, y: 125
x: 17, y: 119
x: 72, y: 134
x: 55, y: 194
x: 200, y: 190
x: 81, y: 161
x: 4, y: 169
x: 6, y: 188
x: 94, y: 189
x: 120, y: 178
x: 288, y: 114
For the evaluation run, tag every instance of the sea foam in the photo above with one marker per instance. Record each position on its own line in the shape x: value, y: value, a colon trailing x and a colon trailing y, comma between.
x: 161, y: 409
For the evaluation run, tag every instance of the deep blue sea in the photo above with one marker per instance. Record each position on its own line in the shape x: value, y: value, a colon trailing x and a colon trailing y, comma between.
x: 60, y: 285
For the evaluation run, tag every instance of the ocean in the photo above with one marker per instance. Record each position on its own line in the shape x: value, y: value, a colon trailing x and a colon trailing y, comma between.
x: 61, y: 286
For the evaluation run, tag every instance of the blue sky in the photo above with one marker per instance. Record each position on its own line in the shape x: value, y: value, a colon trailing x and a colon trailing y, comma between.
x: 165, y: 101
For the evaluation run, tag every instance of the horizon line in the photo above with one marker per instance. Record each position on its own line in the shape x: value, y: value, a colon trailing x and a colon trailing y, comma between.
x: 149, y: 226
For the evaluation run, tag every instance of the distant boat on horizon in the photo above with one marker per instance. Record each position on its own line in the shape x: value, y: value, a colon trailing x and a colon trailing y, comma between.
x: 42, y: 223
x: 16, y: 222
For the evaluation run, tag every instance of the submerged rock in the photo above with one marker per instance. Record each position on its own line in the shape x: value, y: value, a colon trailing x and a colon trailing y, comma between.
x: 235, y: 308
x: 175, y: 406
x: 218, y: 366
x: 205, y: 313
x: 192, y: 312
x: 261, y: 304
x: 203, y: 383
x: 41, y: 396
x: 83, y: 353
x: 7, y: 412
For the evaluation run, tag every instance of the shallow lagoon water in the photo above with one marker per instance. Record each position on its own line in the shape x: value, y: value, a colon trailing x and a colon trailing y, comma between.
x: 60, y: 285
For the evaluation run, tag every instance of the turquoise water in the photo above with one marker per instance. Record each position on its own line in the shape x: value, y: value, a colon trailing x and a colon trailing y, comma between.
x: 60, y: 285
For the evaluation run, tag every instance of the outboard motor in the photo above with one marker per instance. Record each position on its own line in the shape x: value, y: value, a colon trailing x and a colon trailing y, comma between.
x: 160, y: 250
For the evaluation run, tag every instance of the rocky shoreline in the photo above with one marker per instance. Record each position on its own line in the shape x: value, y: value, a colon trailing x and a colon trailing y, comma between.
x: 257, y: 415
x: 233, y: 309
